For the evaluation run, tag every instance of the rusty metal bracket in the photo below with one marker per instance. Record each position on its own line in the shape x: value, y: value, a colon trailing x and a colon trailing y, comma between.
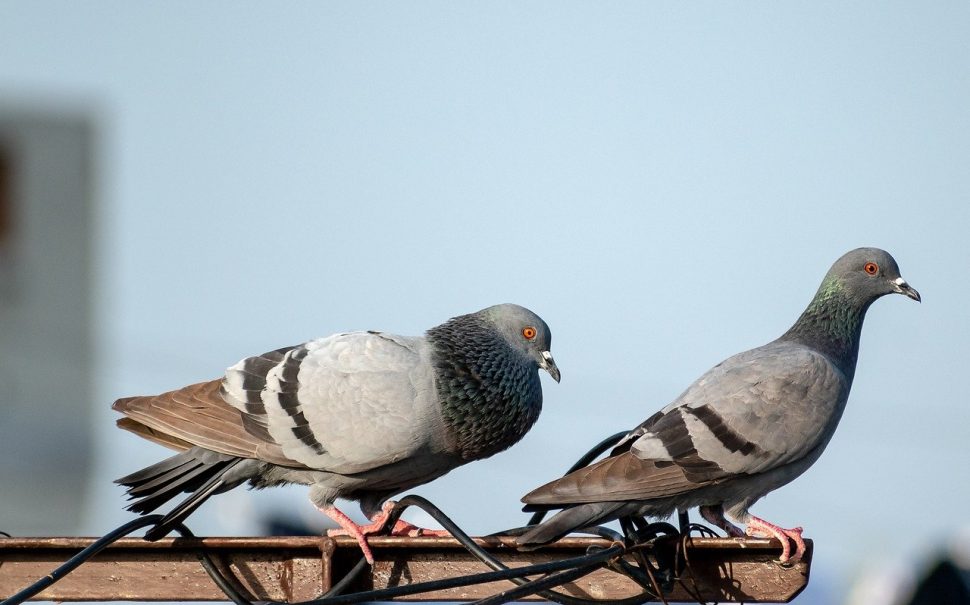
x: 301, y: 568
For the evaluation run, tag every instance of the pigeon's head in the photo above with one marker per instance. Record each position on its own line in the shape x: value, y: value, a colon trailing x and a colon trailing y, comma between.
x: 868, y: 273
x: 525, y: 332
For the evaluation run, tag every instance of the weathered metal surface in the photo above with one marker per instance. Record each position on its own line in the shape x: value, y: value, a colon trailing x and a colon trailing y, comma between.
x: 167, y: 570
x: 300, y: 568
x: 724, y: 569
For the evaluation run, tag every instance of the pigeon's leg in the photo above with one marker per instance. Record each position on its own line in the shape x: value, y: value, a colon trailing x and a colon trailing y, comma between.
x: 761, y: 528
x: 401, y: 527
x: 715, y: 516
x: 375, y: 526
x: 349, y: 529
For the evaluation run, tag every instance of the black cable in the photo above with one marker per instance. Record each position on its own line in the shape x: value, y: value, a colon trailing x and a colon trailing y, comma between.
x: 494, y: 563
x: 636, y: 575
x: 75, y: 561
x: 341, y: 585
x: 537, y: 586
x: 221, y: 581
x: 586, y: 562
x: 683, y: 520
x: 558, y: 572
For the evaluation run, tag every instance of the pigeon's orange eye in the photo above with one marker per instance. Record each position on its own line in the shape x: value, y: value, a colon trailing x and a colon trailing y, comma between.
x: 529, y: 332
x: 871, y: 268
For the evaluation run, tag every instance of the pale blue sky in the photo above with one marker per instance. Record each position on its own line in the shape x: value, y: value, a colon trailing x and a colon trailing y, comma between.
x: 665, y: 183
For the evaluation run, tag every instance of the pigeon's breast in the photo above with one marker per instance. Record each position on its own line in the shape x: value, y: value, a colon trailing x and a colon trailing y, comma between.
x: 488, y: 403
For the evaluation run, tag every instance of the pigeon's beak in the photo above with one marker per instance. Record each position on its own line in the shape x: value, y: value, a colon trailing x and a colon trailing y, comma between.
x: 901, y: 287
x: 549, y: 364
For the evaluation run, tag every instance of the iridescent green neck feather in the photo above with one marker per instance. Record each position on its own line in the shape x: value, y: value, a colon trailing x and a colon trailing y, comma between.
x: 832, y: 325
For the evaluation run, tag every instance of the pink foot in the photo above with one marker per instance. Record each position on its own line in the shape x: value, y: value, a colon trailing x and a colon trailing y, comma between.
x: 360, y: 532
x: 403, y: 528
x: 376, y: 523
x: 761, y: 528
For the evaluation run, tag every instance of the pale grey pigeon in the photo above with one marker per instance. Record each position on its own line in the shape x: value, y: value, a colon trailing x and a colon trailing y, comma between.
x: 360, y: 416
x: 749, y: 425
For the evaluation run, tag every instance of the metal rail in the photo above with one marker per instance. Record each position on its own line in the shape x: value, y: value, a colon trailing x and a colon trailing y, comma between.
x: 301, y: 568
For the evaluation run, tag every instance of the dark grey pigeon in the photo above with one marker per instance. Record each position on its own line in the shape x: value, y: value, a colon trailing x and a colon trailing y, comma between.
x: 749, y: 425
x: 360, y: 416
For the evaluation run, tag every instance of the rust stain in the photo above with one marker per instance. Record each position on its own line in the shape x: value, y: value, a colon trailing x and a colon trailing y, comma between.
x: 286, y: 579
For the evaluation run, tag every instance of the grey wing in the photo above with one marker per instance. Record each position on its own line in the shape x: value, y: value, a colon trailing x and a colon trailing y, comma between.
x: 753, y: 412
x: 347, y: 403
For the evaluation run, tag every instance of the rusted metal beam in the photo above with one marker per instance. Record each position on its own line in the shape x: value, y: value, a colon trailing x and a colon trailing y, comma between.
x: 300, y: 568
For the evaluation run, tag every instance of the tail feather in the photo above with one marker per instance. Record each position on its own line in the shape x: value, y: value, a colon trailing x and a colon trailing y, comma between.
x: 169, y: 441
x: 568, y: 520
x: 180, y: 475
x: 150, y: 472
x: 199, y: 471
x: 187, y: 506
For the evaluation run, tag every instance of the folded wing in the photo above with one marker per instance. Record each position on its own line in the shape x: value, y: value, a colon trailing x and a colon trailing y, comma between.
x: 752, y: 413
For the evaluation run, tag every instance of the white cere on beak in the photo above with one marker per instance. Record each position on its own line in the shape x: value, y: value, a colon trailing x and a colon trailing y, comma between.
x: 899, y: 281
x: 547, y: 355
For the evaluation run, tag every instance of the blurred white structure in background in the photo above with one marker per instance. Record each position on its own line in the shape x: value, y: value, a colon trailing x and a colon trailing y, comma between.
x: 47, y: 202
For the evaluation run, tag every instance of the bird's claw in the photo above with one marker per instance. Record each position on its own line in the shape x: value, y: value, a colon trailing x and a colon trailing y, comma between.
x: 376, y: 526
x: 403, y: 528
x: 762, y: 529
